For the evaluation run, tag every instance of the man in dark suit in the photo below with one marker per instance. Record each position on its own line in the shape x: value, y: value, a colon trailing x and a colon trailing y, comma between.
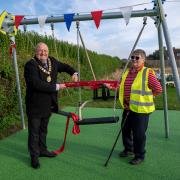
x: 41, y: 98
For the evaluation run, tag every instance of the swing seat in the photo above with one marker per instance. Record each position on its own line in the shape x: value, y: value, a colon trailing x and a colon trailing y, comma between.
x: 87, y: 121
x: 100, y: 120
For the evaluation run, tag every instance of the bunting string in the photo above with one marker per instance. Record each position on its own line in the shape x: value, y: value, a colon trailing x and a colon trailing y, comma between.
x: 104, y: 10
x: 96, y: 15
x: 85, y: 12
x: 173, y: 1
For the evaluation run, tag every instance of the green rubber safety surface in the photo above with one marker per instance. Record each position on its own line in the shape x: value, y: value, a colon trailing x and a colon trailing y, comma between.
x: 85, y: 154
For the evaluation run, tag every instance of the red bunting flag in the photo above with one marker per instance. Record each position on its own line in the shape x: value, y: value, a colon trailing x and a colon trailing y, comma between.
x: 96, y: 15
x: 18, y: 20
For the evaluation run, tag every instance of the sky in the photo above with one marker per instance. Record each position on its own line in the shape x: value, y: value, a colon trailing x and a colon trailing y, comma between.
x: 113, y: 37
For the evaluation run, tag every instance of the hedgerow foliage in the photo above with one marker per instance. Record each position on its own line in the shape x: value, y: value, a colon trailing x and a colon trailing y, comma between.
x: 25, y: 42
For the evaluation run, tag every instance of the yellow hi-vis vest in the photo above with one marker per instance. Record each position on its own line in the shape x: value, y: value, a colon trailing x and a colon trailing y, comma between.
x: 141, y: 97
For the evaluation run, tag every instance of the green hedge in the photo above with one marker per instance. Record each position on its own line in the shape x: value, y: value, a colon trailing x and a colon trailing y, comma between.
x: 25, y: 42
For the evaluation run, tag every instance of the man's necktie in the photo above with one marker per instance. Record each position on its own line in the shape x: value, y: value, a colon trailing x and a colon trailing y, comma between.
x: 45, y: 66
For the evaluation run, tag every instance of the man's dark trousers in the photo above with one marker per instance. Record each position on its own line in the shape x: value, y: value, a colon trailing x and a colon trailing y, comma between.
x: 37, y: 132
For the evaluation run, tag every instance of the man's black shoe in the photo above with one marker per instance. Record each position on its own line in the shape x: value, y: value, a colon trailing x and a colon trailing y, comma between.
x: 47, y: 154
x: 136, y: 161
x: 35, y: 162
x: 126, y: 153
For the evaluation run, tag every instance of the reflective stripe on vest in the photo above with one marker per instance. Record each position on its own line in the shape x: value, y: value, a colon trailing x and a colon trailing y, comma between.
x: 141, y: 92
x: 141, y: 103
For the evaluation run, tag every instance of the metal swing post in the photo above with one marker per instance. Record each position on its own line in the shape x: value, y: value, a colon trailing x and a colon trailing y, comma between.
x: 169, y: 47
x: 161, y: 54
x: 79, y: 70
x: 12, y: 38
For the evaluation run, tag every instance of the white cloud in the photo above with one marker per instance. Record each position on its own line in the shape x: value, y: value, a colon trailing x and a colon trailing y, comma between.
x: 24, y: 7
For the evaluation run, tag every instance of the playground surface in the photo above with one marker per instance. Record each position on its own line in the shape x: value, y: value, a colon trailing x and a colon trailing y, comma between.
x: 85, y: 154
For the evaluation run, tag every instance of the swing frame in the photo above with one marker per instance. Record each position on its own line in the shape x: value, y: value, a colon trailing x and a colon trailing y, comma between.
x: 160, y: 20
x: 112, y: 119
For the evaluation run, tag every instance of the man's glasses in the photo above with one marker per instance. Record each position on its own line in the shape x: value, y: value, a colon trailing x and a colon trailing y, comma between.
x: 135, y: 58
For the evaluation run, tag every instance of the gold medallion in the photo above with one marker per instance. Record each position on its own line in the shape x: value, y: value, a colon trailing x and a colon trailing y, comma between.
x: 49, y: 79
x: 47, y: 72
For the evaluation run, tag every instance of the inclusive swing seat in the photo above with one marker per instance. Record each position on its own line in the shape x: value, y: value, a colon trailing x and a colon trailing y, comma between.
x: 100, y: 120
x: 91, y: 121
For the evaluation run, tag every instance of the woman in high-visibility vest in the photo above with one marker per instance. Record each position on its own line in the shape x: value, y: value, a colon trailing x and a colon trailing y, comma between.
x: 137, y: 88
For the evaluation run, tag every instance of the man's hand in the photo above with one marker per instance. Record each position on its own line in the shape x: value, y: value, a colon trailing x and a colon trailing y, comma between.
x: 60, y: 86
x: 75, y: 77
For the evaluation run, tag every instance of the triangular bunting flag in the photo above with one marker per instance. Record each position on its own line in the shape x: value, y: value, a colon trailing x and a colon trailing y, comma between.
x: 126, y: 12
x: 42, y: 20
x: 68, y: 20
x: 96, y: 15
x: 6, y: 18
x: 18, y: 20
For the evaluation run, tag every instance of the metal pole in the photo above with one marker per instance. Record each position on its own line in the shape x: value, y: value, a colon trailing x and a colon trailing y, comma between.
x: 169, y: 48
x: 17, y: 81
x: 88, y: 16
x: 79, y: 68
x: 87, y: 56
x: 161, y: 54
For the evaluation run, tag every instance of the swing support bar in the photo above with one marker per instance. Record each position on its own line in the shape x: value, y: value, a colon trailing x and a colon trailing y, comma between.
x: 87, y: 17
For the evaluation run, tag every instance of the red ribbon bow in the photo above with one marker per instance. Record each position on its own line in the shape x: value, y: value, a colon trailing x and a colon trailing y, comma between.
x: 75, y: 131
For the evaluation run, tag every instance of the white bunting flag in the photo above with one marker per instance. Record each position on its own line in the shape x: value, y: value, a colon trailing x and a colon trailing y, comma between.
x: 42, y: 20
x: 126, y: 12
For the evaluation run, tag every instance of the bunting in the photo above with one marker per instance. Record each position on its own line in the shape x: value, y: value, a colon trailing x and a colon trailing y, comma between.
x: 42, y: 21
x: 68, y: 18
x: 126, y: 12
x: 6, y: 18
x: 96, y: 15
x: 18, y: 20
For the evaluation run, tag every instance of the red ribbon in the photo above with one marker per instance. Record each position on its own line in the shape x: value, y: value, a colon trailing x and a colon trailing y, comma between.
x: 11, y: 48
x: 92, y: 84
x: 75, y: 131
